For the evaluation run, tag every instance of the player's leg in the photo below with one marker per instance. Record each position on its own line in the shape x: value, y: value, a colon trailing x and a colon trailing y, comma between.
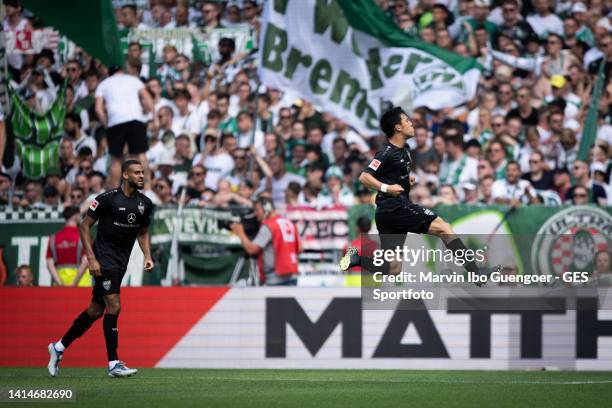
x: 444, y: 231
x: 79, y: 326
x: 116, y: 368
x: 138, y: 144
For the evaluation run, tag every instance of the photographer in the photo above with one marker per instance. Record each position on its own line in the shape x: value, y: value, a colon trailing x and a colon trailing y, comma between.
x: 277, y: 244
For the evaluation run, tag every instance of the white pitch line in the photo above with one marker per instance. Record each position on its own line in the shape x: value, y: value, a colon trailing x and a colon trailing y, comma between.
x: 339, y: 380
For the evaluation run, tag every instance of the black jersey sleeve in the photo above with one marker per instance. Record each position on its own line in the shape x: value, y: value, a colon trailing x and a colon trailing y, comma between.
x: 377, y: 165
x: 99, y: 205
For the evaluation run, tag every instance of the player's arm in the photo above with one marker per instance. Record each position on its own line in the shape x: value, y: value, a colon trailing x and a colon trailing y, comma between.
x: 370, y: 181
x: 85, y: 231
x: 145, y: 245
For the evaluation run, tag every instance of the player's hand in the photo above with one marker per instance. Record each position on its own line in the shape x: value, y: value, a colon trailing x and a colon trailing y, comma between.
x: 395, y: 190
x: 94, y: 268
x: 412, y: 180
x: 148, y: 264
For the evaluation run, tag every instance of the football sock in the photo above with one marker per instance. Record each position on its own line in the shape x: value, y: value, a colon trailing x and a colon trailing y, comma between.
x: 111, y: 364
x: 80, y: 325
x: 111, y: 335
x: 59, y: 346
x: 457, y: 245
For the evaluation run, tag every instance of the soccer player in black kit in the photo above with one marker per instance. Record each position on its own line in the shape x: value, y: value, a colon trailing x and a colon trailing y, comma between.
x: 396, y: 215
x: 123, y: 216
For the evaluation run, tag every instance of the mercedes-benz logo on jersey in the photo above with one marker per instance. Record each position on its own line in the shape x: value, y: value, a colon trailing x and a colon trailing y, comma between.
x: 141, y: 207
x: 131, y: 218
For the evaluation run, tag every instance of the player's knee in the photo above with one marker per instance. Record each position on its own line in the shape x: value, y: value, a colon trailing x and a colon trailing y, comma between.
x: 114, y: 308
x: 95, y: 312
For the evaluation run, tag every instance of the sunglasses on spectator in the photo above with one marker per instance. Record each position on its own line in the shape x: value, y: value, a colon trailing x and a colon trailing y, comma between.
x: 71, y: 69
x: 534, y: 161
x: 285, y: 117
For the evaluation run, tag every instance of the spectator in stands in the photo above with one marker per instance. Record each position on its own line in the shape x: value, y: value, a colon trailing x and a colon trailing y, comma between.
x: 120, y: 102
x: 277, y: 184
x: 596, y: 193
x: 277, y: 243
x: 210, y: 15
x: 162, y: 187
x: 562, y: 182
x: 603, y: 266
x: 51, y: 196
x: 539, y: 178
x: 5, y: 188
x: 72, y: 127
x: 33, y: 196
x: 485, y: 189
x: 66, y: 259
x: 580, y: 195
x: 513, y: 191
x: 457, y: 167
x: 335, y: 192
x: 24, y: 276
x: 216, y: 160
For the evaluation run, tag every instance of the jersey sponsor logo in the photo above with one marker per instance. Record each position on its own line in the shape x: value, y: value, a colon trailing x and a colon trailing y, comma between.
x: 93, y: 205
x: 121, y: 208
x: 374, y: 164
x: 106, y: 285
x: 141, y: 207
x: 131, y: 218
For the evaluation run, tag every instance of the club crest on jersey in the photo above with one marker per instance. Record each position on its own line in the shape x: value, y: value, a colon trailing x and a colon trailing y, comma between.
x: 374, y: 164
x: 106, y: 284
x: 93, y: 205
x: 141, y: 207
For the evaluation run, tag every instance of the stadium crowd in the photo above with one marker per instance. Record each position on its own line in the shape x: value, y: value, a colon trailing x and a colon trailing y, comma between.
x: 216, y: 134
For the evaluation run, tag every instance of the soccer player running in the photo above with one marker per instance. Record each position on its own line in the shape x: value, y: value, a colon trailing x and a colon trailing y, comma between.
x: 123, y: 215
x: 389, y: 173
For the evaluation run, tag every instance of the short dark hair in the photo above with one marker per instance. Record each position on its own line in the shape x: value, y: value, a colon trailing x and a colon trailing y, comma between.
x: 364, y: 224
x: 391, y: 118
x: 514, y: 163
x: 182, y: 93
x: 129, y: 162
x: 70, y: 211
x: 75, y: 118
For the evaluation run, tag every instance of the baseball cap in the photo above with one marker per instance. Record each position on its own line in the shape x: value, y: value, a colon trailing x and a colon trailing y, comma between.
x: 557, y: 81
x: 334, y: 171
x: 579, y: 8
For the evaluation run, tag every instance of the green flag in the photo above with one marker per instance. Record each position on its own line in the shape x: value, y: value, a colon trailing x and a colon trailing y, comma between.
x: 589, y: 134
x: 90, y: 24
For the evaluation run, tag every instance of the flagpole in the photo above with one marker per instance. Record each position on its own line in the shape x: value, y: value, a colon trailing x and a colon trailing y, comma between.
x: 255, y: 117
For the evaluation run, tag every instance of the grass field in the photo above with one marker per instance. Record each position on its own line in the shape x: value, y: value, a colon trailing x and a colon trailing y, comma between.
x: 320, y: 388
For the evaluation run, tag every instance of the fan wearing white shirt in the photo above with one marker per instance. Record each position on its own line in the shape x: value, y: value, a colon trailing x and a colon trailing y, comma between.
x: 186, y: 120
x: 544, y: 21
x: 512, y: 190
x: 457, y: 168
x: 121, y: 102
x: 344, y: 132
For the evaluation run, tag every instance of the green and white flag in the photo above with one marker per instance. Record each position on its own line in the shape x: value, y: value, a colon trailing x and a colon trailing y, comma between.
x: 347, y: 56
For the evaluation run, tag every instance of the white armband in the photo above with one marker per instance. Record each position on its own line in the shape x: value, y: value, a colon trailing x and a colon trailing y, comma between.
x: 383, y: 187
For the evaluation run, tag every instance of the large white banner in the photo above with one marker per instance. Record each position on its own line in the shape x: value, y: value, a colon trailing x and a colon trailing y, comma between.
x: 317, y: 49
x: 329, y: 328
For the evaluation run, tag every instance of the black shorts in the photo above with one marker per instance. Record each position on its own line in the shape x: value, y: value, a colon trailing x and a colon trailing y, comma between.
x: 133, y: 132
x: 406, y: 218
x: 107, y: 284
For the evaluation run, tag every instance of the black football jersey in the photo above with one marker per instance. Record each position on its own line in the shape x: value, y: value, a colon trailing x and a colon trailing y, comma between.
x: 391, y: 165
x: 120, y: 218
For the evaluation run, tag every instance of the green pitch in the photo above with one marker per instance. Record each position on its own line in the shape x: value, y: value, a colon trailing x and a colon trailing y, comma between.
x: 320, y: 388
